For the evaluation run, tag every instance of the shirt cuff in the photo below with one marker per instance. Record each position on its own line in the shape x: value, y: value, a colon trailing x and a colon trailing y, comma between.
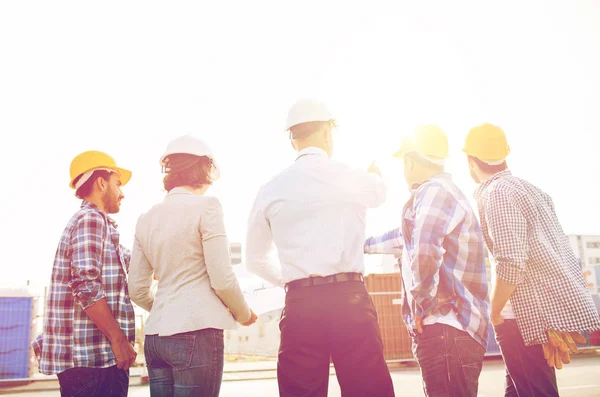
x: 510, y: 273
x: 89, y: 295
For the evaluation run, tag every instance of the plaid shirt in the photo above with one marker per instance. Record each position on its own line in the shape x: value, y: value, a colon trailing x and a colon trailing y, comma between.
x: 89, y: 265
x: 441, y: 241
x: 523, y: 235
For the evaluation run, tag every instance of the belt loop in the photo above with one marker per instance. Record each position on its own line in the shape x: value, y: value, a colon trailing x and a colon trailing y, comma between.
x: 335, y: 280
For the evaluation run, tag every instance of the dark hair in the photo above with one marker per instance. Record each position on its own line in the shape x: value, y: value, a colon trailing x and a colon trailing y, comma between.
x: 86, y: 189
x: 184, y: 169
x: 489, y: 169
x: 304, y: 130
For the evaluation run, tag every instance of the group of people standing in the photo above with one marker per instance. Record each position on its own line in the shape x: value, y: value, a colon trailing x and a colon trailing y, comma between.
x: 306, y: 234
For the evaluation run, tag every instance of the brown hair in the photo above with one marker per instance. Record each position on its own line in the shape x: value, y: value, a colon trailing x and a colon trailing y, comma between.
x: 182, y: 169
x: 86, y: 189
x: 489, y: 169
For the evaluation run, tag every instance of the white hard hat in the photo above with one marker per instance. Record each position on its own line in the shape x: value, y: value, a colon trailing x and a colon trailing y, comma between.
x: 306, y: 110
x: 189, y: 144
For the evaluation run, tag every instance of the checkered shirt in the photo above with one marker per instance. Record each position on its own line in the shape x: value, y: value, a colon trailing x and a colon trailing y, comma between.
x: 441, y: 241
x: 523, y: 234
x: 89, y: 265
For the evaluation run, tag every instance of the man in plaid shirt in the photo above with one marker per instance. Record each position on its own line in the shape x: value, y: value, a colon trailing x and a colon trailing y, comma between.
x: 89, y: 327
x: 539, y: 285
x: 445, y: 290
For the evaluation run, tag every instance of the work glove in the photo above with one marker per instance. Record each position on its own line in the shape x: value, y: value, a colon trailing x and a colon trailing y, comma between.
x: 560, y: 346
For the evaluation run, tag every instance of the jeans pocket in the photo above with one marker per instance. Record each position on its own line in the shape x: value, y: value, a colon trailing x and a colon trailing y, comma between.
x: 178, y: 350
x: 78, y: 381
x: 470, y: 354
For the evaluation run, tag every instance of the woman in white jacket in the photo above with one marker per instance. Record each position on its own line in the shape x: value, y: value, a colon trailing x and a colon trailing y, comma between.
x: 182, y: 243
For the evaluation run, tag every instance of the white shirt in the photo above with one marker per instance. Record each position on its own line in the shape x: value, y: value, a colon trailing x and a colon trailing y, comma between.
x: 314, y: 213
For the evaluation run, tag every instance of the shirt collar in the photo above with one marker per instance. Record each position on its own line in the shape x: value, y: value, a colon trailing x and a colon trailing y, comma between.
x: 92, y: 206
x: 483, y: 187
x: 179, y: 190
x: 440, y: 176
x: 311, y: 150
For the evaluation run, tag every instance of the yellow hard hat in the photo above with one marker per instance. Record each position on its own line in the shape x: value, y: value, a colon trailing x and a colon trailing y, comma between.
x: 91, y: 160
x: 487, y: 142
x: 427, y: 140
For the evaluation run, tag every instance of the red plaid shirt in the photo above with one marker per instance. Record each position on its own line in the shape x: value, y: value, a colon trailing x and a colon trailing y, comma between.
x: 522, y: 232
x: 89, y: 265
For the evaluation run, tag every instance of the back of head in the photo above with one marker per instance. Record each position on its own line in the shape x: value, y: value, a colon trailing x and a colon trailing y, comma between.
x: 182, y: 169
x: 309, y: 123
x: 488, y: 147
x: 307, y: 110
x: 188, y: 161
x: 427, y: 142
x: 488, y: 143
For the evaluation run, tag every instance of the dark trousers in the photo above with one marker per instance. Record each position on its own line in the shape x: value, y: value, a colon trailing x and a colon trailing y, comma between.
x: 450, y: 361
x: 335, y: 322
x: 185, y: 365
x: 94, y: 382
x: 527, y: 373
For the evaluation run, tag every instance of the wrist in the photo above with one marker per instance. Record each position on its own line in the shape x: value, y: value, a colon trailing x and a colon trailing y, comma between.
x: 117, y: 337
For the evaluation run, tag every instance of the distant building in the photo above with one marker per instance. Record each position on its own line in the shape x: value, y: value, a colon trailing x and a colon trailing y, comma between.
x: 259, y: 340
x: 236, y: 253
x: 587, y: 250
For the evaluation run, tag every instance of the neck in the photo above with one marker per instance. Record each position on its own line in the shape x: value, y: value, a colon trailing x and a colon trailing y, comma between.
x: 199, y: 191
x: 427, y: 174
x: 303, y: 145
x: 484, y: 176
x: 97, y: 201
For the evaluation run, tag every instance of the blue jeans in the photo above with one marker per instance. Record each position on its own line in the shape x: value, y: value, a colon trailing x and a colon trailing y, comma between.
x: 450, y: 361
x: 187, y: 364
x: 527, y: 373
x: 94, y: 382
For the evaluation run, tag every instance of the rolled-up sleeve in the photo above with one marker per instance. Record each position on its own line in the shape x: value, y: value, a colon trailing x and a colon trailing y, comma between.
x: 140, y: 278
x: 218, y: 261
x: 388, y: 243
x: 507, y: 228
x: 87, y: 244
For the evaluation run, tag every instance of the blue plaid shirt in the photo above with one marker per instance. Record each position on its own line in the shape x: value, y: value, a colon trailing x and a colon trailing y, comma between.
x: 89, y: 265
x: 441, y: 241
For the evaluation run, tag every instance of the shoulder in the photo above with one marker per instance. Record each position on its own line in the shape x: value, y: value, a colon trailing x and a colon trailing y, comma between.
x: 88, y: 218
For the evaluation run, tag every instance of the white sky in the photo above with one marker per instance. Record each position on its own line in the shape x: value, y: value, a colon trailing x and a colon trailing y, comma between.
x: 126, y: 77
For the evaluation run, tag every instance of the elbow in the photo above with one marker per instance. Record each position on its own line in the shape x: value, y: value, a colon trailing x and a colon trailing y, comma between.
x: 252, y: 266
x: 141, y: 297
x: 87, y: 293
x: 510, y: 272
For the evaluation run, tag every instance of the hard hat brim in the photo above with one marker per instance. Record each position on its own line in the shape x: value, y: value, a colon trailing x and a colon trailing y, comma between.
x: 405, y: 147
x: 124, y: 175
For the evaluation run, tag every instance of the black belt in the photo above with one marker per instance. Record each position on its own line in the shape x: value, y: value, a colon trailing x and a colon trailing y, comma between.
x: 313, y: 281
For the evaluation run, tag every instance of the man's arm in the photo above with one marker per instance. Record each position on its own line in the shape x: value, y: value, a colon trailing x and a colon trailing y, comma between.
x: 86, y: 284
x: 437, y: 213
x: 507, y: 228
x: 104, y: 320
x: 388, y: 243
x: 371, y: 189
x: 260, y: 249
